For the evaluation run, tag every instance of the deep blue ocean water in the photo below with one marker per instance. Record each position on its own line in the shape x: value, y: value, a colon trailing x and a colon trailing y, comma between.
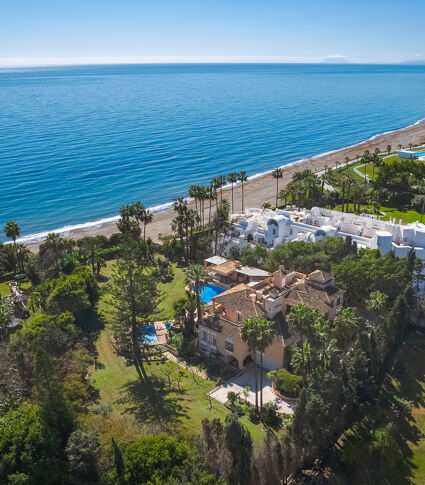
x: 78, y: 142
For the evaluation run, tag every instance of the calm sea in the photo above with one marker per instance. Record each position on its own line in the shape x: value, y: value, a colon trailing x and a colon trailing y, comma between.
x: 78, y: 142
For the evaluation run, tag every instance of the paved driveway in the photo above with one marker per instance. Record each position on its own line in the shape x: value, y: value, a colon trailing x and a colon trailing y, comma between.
x: 247, y: 379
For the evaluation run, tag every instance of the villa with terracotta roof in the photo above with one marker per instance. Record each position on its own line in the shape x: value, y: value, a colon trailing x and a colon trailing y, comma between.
x: 227, y: 274
x: 271, y: 298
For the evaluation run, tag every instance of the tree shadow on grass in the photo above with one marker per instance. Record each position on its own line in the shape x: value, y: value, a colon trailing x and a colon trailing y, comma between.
x: 151, y: 401
x: 91, y: 323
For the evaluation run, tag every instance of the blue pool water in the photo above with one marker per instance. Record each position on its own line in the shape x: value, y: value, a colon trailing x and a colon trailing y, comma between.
x: 77, y: 142
x: 420, y: 154
x: 209, y: 292
x: 150, y: 335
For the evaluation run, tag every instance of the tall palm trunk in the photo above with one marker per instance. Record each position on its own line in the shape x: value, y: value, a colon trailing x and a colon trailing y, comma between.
x: 277, y: 190
x: 256, y: 378
x: 261, y: 381
x: 198, y: 303
x: 242, y: 198
x: 232, y: 197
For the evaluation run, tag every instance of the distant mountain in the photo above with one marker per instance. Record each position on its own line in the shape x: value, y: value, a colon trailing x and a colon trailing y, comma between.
x: 335, y: 60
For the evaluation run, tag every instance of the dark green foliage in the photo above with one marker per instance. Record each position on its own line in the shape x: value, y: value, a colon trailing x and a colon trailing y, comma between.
x: 286, y: 383
x: 394, y: 178
x: 254, y: 256
x: 161, y: 459
x: 28, y: 449
x: 307, y: 257
x: 238, y: 441
x: 118, y: 460
x: 368, y: 271
x: 82, y: 451
x: 55, y: 410
x: 269, y: 414
x: 55, y: 333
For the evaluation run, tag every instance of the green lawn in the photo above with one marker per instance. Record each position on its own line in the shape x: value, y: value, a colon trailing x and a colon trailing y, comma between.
x: 169, y: 292
x: 390, y: 212
x: 179, y: 407
x: 4, y: 284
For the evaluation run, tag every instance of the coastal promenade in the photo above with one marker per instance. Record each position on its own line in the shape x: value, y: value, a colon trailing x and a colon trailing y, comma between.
x: 262, y: 189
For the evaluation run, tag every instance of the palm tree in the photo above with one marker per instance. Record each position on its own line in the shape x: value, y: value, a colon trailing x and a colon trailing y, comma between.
x: 221, y: 181
x: 232, y: 178
x: 277, y: 174
x: 347, y: 159
x: 377, y: 302
x: 265, y: 338
x: 347, y: 324
x: 91, y: 245
x: 302, y: 319
x: 389, y: 149
x: 242, y: 178
x: 193, y: 193
x: 13, y: 231
x: 250, y: 335
x: 211, y: 193
x: 202, y: 197
x: 141, y: 214
x: 196, y: 279
x: 301, y: 359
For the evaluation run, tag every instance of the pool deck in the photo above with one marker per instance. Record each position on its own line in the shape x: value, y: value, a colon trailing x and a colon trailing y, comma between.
x: 161, y: 332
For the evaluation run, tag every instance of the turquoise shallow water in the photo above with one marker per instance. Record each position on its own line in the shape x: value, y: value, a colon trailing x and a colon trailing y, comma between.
x: 77, y: 142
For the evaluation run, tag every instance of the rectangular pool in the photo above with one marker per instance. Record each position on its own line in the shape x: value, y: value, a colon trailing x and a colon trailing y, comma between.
x: 149, y: 334
x: 420, y: 154
x: 209, y: 292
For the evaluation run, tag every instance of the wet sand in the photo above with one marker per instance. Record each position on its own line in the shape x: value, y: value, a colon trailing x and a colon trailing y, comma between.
x: 263, y: 189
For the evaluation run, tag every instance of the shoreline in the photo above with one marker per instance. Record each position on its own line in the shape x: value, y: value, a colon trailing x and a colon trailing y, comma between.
x: 259, y: 188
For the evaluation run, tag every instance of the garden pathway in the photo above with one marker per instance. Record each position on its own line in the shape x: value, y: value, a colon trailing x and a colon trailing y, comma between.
x: 183, y: 364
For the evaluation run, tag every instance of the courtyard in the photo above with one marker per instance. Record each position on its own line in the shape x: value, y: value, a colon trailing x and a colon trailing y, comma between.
x: 244, y: 385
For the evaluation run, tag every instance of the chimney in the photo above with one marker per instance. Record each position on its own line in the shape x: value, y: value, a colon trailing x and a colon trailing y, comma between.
x: 252, y: 296
x: 237, y: 264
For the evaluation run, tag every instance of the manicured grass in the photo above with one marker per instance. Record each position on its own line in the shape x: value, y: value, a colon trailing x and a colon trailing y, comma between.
x: 390, y: 212
x: 370, y: 171
x: 179, y: 407
x: 4, y: 284
x: 169, y: 293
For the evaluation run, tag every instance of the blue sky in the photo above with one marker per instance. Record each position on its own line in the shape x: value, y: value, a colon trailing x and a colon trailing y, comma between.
x: 271, y: 30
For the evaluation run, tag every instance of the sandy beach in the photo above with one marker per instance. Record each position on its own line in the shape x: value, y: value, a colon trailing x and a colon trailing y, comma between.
x: 263, y: 189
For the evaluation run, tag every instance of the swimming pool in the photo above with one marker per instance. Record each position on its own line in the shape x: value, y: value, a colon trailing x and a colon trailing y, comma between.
x: 149, y: 333
x: 209, y: 292
x: 420, y: 154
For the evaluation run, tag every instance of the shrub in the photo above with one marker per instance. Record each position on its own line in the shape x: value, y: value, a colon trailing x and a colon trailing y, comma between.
x: 286, y: 383
x: 269, y: 414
